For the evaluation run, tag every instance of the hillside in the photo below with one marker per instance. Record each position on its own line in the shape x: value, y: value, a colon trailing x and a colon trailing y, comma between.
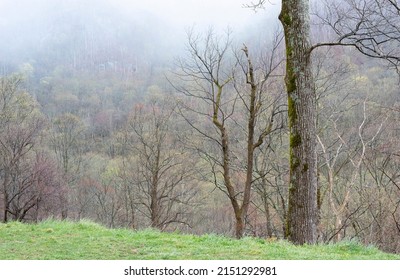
x: 54, y: 240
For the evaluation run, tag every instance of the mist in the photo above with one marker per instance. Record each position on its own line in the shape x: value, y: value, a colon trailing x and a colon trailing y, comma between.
x: 153, y: 29
x: 112, y: 112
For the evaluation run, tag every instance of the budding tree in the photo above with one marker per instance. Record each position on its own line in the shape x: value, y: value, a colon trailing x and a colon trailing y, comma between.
x: 25, y: 175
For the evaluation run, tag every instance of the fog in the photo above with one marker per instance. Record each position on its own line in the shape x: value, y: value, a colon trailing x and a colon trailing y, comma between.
x: 208, y: 12
x: 29, y: 27
x: 107, y: 114
x: 177, y: 12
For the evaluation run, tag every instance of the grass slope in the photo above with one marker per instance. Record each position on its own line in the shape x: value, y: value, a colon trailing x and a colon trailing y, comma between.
x: 54, y: 240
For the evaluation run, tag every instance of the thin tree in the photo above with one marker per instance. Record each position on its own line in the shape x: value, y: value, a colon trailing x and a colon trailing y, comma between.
x: 66, y: 142
x: 157, y: 166
x: 227, y: 86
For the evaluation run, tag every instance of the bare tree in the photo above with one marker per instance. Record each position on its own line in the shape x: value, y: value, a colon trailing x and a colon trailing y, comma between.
x: 371, y: 26
x: 302, y: 215
x: 106, y: 196
x: 21, y: 124
x: 223, y: 89
x: 382, y: 166
x: 157, y: 167
x: 272, y: 169
x: 66, y: 141
x: 35, y: 189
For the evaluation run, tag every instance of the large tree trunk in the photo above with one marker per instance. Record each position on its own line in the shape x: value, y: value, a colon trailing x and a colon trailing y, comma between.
x: 303, y: 212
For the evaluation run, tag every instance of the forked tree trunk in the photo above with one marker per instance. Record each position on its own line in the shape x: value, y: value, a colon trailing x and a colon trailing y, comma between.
x: 303, y: 212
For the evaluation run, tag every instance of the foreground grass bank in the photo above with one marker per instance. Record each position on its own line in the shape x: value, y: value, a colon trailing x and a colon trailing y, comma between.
x: 85, y: 240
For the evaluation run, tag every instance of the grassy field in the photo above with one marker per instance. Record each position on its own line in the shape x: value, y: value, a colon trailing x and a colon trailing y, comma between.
x: 54, y: 240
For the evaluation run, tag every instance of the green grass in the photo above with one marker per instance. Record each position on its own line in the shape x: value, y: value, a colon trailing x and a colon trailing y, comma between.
x: 55, y: 240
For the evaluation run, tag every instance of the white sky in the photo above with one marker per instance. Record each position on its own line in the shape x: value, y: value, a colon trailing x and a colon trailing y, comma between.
x: 219, y: 13
x: 177, y: 15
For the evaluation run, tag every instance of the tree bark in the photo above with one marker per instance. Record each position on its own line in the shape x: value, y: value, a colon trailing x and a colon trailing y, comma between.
x: 155, y: 203
x: 302, y: 216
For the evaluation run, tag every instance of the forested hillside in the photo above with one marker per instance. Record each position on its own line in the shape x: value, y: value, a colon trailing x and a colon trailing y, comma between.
x: 106, y: 117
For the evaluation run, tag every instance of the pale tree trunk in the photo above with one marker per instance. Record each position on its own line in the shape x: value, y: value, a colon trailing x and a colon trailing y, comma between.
x: 303, y: 212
